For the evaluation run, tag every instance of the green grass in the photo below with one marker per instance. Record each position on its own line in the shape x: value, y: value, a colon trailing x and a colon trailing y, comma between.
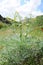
x: 13, y: 51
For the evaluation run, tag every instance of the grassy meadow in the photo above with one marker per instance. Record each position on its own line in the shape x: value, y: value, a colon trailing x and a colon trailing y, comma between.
x: 21, y: 43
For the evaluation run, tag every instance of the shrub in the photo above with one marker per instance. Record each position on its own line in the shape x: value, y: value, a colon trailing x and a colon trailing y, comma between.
x: 1, y: 25
x: 21, y: 55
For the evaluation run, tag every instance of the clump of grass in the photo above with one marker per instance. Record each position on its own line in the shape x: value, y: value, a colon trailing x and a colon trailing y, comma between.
x: 19, y: 48
x: 1, y: 25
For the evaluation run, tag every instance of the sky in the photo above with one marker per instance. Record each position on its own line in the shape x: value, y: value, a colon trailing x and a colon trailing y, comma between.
x: 24, y: 7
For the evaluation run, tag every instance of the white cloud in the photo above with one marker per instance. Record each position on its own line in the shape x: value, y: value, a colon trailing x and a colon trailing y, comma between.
x: 30, y: 7
x: 8, y: 7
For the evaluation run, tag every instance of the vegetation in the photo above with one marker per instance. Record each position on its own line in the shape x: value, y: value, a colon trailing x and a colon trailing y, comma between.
x: 21, y: 42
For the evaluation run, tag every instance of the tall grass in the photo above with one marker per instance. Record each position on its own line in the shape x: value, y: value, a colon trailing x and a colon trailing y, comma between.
x: 21, y: 44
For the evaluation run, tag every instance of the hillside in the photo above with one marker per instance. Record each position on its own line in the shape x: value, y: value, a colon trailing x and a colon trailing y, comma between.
x: 4, y: 20
x: 21, y: 43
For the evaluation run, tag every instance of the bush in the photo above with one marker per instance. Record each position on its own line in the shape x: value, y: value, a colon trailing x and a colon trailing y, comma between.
x: 1, y: 25
x: 21, y: 55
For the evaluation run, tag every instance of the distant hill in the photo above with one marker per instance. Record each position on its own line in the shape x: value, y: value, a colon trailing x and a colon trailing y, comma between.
x: 4, y: 20
x: 38, y: 19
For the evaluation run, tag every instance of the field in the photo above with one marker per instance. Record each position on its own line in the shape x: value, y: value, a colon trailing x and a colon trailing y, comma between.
x: 21, y: 44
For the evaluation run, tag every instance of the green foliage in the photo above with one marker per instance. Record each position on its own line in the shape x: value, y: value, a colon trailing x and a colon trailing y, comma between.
x: 22, y: 43
x: 39, y: 20
x: 21, y: 55
x: 2, y: 25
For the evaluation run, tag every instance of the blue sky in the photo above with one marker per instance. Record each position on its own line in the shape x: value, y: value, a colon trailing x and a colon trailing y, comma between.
x: 24, y: 7
x: 22, y: 2
x: 41, y: 6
